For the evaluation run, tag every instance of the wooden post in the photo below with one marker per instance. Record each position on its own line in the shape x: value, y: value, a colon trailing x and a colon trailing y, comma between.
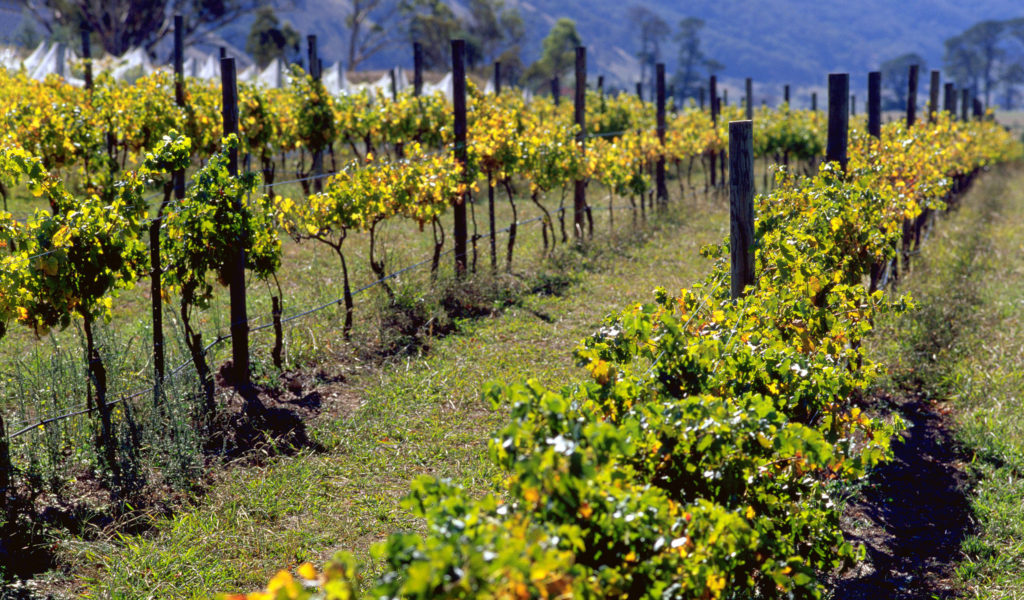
x: 741, y: 205
x: 314, y: 59
x: 556, y: 90
x: 239, y: 313
x: 87, y: 58
x: 749, y: 84
x: 179, y: 53
x: 394, y: 84
x: 461, y: 152
x: 497, y: 78
x: 580, y: 110
x: 5, y: 466
x: 155, y: 262
x: 875, y: 104
x: 853, y: 105
x: 725, y: 97
x: 659, y: 169
x: 814, y: 101
x: 933, y: 96
x: 318, y: 153
x: 713, y: 98
x: 912, y: 95
x: 979, y: 109
x: 785, y: 93
x: 417, y: 69
x: 838, y: 118
x: 600, y: 85
x: 640, y: 91
x: 949, y: 99
x: 965, y: 103
x: 875, y: 130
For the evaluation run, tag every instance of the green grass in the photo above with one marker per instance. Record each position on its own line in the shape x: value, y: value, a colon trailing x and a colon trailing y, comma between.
x: 412, y: 416
x: 964, y: 346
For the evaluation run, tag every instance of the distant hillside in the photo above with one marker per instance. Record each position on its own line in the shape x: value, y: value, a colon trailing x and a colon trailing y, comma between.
x: 774, y: 41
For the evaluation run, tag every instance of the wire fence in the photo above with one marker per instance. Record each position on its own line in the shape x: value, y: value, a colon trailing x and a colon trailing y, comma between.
x: 223, y: 337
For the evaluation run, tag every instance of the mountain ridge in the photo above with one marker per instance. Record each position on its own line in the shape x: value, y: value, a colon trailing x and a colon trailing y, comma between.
x: 774, y: 41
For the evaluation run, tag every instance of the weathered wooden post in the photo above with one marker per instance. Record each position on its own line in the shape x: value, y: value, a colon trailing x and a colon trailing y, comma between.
x: 875, y: 104
x: 814, y: 101
x: 556, y: 90
x: 838, y: 118
x: 417, y: 69
x: 785, y: 93
x: 912, y: 95
x: 749, y: 84
x: 949, y: 99
x: 318, y: 153
x: 659, y: 169
x: 239, y: 313
x: 580, y: 110
x: 933, y: 96
x: 155, y: 261
x: 965, y: 103
x: 87, y: 56
x: 853, y: 105
x: 640, y: 91
x: 875, y: 130
x: 741, y: 206
x: 460, y: 231
x: 497, y: 78
x: 908, y: 231
x: 713, y: 95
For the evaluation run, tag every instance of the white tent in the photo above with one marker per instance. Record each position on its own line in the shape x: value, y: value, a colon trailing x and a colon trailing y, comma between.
x: 57, y: 59
x: 336, y: 81
x: 249, y: 74
x: 9, y: 58
x: 132, y: 64
x: 209, y: 69
x: 32, y: 61
x: 444, y: 86
x: 274, y: 75
x: 381, y: 87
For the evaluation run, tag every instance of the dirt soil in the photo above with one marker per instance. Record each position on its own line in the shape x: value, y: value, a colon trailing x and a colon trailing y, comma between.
x: 913, y: 514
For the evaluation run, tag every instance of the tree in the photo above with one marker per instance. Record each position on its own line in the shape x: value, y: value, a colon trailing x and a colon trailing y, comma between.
x: 558, y: 53
x: 25, y: 34
x: 120, y: 25
x: 269, y: 39
x: 974, y: 55
x: 1011, y: 75
x: 895, y: 77
x: 368, y: 34
x: 433, y: 25
x: 491, y: 29
x: 652, y: 30
x: 513, y: 31
x: 692, y: 59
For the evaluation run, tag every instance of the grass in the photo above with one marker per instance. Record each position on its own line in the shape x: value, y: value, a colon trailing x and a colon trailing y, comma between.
x: 964, y: 346
x: 414, y: 415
